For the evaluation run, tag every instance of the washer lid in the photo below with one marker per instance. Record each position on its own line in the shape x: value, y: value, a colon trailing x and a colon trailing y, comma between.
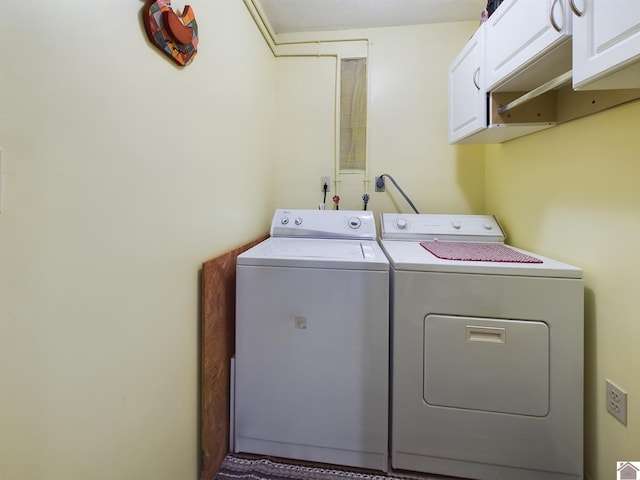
x: 411, y: 256
x: 316, y: 253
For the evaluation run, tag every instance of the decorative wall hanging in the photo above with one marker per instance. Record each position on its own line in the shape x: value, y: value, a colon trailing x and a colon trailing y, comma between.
x: 176, y: 35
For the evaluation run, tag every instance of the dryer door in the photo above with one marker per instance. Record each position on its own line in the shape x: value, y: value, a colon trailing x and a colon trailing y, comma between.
x: 487, y: 364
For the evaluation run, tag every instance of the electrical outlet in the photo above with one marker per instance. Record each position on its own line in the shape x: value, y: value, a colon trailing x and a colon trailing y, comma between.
x: 379, y: 184
x: 323, y: 181
x: 616, y: 402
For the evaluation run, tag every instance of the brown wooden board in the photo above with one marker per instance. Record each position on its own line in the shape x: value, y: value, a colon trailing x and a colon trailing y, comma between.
x: 217, y: 347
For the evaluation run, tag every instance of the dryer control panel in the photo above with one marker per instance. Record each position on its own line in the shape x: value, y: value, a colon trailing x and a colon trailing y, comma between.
x: 347, y: 224
x: 467, y: 228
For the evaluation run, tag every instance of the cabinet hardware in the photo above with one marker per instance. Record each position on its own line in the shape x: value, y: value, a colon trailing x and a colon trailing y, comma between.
x: 574, y: 8
x: 476, y: 75
x: 552, y: 19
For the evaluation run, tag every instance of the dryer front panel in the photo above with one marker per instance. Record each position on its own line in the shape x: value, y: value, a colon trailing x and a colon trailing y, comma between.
x: 485, y: 364
x: 448, y: 380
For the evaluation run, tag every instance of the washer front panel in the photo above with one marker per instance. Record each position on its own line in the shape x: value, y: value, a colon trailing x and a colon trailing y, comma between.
x: 312, y: 362
x: 312, y: 341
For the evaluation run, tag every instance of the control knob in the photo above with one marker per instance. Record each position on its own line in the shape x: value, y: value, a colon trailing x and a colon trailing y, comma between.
x: 354, y: 222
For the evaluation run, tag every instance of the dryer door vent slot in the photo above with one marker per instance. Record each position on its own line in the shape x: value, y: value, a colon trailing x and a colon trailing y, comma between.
x: 486, y: 334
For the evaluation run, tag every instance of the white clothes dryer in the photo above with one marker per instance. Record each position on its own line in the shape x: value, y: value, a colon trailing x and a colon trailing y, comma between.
x: 487, y: 352
x: 312, y: 341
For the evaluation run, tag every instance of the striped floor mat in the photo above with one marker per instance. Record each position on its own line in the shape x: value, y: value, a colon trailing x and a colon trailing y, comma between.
x: 240, y: 467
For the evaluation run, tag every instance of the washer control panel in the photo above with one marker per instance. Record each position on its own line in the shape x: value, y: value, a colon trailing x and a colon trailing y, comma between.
x: 421, y: 227
x: 347, y: 224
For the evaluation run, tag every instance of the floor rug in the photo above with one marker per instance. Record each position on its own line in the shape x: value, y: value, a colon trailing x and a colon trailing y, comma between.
x: 240, y: 467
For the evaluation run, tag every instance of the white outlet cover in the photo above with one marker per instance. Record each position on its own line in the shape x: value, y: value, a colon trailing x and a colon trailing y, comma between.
x: 327, y: 180
x: 616, y: 401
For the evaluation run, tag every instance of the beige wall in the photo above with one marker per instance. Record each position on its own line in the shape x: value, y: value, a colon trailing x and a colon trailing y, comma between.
x: 305, y: 147
x: 573, y: 192
x: 407, y: 130
x: 121, y: 174
x: 408, y: 122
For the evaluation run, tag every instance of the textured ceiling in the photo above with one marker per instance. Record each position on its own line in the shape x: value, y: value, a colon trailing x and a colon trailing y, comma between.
x: 291, y: 16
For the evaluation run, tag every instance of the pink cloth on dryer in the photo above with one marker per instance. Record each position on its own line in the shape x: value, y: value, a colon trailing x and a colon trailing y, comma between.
x: 477, y: 252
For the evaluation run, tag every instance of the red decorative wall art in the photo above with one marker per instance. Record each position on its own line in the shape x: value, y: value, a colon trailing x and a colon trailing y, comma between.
x: 176, y: 35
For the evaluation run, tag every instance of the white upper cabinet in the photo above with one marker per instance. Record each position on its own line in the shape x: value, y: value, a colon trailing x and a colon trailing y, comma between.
x: 467, y: 95
x: 606, y: 45
x: 472, y: 115
x: 518, y: 35
x: 512, y: 77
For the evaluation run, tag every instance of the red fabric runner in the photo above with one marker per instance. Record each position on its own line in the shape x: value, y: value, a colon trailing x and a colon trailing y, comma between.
x: 477, y: 252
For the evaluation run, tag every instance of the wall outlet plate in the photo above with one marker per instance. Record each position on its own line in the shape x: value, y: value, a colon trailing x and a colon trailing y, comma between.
x: 616, y: 401
x: 324, y: 180
x: 379, y: 184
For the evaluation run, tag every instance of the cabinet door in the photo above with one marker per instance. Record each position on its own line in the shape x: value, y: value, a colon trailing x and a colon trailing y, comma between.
x: 467, y: 95
x: 606, y: 40
x: 520, y: 32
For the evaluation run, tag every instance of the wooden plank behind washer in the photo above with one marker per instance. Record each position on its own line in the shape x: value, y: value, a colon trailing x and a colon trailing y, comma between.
x: 217, y: 330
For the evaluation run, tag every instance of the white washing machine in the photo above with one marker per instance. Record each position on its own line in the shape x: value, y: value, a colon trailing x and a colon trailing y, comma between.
x: 312, y: 341
x: 487, y: 353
